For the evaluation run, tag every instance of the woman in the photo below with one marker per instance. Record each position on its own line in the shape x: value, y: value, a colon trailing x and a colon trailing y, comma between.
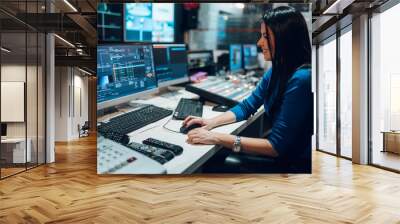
x: 285, y: 92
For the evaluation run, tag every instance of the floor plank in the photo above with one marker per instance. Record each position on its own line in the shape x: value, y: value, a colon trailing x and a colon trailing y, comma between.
x: 70, y: 191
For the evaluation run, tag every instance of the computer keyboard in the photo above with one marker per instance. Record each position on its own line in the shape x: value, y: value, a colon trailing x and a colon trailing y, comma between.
x: 112, y: 135
x: 187, y: 107
x: 116, y: 158
x: 134, y: 120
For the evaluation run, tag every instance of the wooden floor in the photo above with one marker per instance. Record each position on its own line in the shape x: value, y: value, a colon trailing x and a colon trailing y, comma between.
x: 10, y: 171
x: 70, y: 191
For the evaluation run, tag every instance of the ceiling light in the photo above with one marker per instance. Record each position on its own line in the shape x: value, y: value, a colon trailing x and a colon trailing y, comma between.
x: 70, y: 5
x: 337, y: 4
x: 84, y: 71
x: 65, y: 41
x: 5, y: 50
x: 239, y: 5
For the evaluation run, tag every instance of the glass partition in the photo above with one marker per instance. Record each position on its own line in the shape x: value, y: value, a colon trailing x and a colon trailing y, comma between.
x: 31, y: 98
x: 22, y: 77
x: 385, y: 89
x: 327, y: 96
x: 14, y: 143
x: 346, y: 93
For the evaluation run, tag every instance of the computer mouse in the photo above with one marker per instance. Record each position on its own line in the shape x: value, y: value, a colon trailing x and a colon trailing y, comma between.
x: 185, y: 130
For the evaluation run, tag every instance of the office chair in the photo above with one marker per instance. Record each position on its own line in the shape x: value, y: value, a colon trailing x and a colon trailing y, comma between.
x: 227, y: 162
x: 84, y: 130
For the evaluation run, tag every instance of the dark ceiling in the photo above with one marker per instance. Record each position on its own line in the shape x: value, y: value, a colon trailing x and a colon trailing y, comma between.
x: 77, y: 22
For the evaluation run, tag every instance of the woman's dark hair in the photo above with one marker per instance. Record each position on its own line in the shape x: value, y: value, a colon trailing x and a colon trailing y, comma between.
x: 292, y: 47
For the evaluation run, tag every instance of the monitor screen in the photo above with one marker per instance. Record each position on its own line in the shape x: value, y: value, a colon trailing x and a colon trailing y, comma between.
x: 250, y: 58
x: 124, y: 70
x: 149, y: 22
x: 170, y: 62
x: 200, y: 59
x: 235, y: 57
x: 109, y: 22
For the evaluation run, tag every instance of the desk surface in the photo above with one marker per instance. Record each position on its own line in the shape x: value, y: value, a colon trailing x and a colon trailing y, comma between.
x: 193, y: 156
x: 13, y: 140
x: 390, y: 132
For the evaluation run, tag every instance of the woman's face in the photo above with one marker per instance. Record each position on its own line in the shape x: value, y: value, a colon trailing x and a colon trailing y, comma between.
x: 266, y: 33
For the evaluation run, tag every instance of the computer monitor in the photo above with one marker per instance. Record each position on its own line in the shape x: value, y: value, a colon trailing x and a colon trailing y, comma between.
x: 235, y: 58
x: 250, y: 56
x: 109, y: 22
x: 124, y: 72
x: 200, y: 59
x: 150, y: 22
x: 3, y: 129
x: 170, y: 62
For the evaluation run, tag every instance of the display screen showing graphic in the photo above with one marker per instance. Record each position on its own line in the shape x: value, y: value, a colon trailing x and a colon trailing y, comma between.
x: 250, y: 56
x: 170, y: 61
x: 148, y: 22
x: 235, y: 57
x: 109, y: 22
x: 123, y: 70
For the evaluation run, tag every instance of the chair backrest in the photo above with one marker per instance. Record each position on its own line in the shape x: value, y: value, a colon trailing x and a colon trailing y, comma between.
x: 86, y: 125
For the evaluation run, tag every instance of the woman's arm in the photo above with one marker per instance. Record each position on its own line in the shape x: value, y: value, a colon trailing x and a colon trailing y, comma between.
x: 248, y: 145
x: 250, y: 105
x: 238, y: 113
x: 225, y: 118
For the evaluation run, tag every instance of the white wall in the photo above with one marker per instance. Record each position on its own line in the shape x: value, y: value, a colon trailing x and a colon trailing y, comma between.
x: 71, y: 97
x: 314, y: 88
x: 80, y: 111
x: 33, y: 127
x: 16, y: 73
x: 61, y: 104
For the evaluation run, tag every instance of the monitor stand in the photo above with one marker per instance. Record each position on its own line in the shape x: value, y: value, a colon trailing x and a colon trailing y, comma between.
x: 169, y: 89
x: 105, y: 111
x: 170, y: 92
x: 134, y: 105
x: 114, y: 109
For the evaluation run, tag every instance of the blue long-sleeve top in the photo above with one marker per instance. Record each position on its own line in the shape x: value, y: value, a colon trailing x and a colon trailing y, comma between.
x: 292, y: 121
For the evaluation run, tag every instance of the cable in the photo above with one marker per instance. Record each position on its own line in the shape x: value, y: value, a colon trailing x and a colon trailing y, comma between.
x: 149, y: 128
x: 164, y: 126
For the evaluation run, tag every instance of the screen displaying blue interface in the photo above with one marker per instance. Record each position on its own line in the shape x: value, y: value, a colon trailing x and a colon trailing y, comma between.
x: 170, y: 61
x: 250, y: 58
x: 149, y: 22
x: 109, y: 22
x: 124, y: 70
x: 235, y: 57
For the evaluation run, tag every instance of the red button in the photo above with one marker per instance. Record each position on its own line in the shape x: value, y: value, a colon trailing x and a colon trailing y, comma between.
x: 131, y: 159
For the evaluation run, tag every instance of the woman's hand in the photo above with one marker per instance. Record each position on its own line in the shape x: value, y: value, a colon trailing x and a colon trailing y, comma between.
x: 202, y: 136
x: 207, y: 124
